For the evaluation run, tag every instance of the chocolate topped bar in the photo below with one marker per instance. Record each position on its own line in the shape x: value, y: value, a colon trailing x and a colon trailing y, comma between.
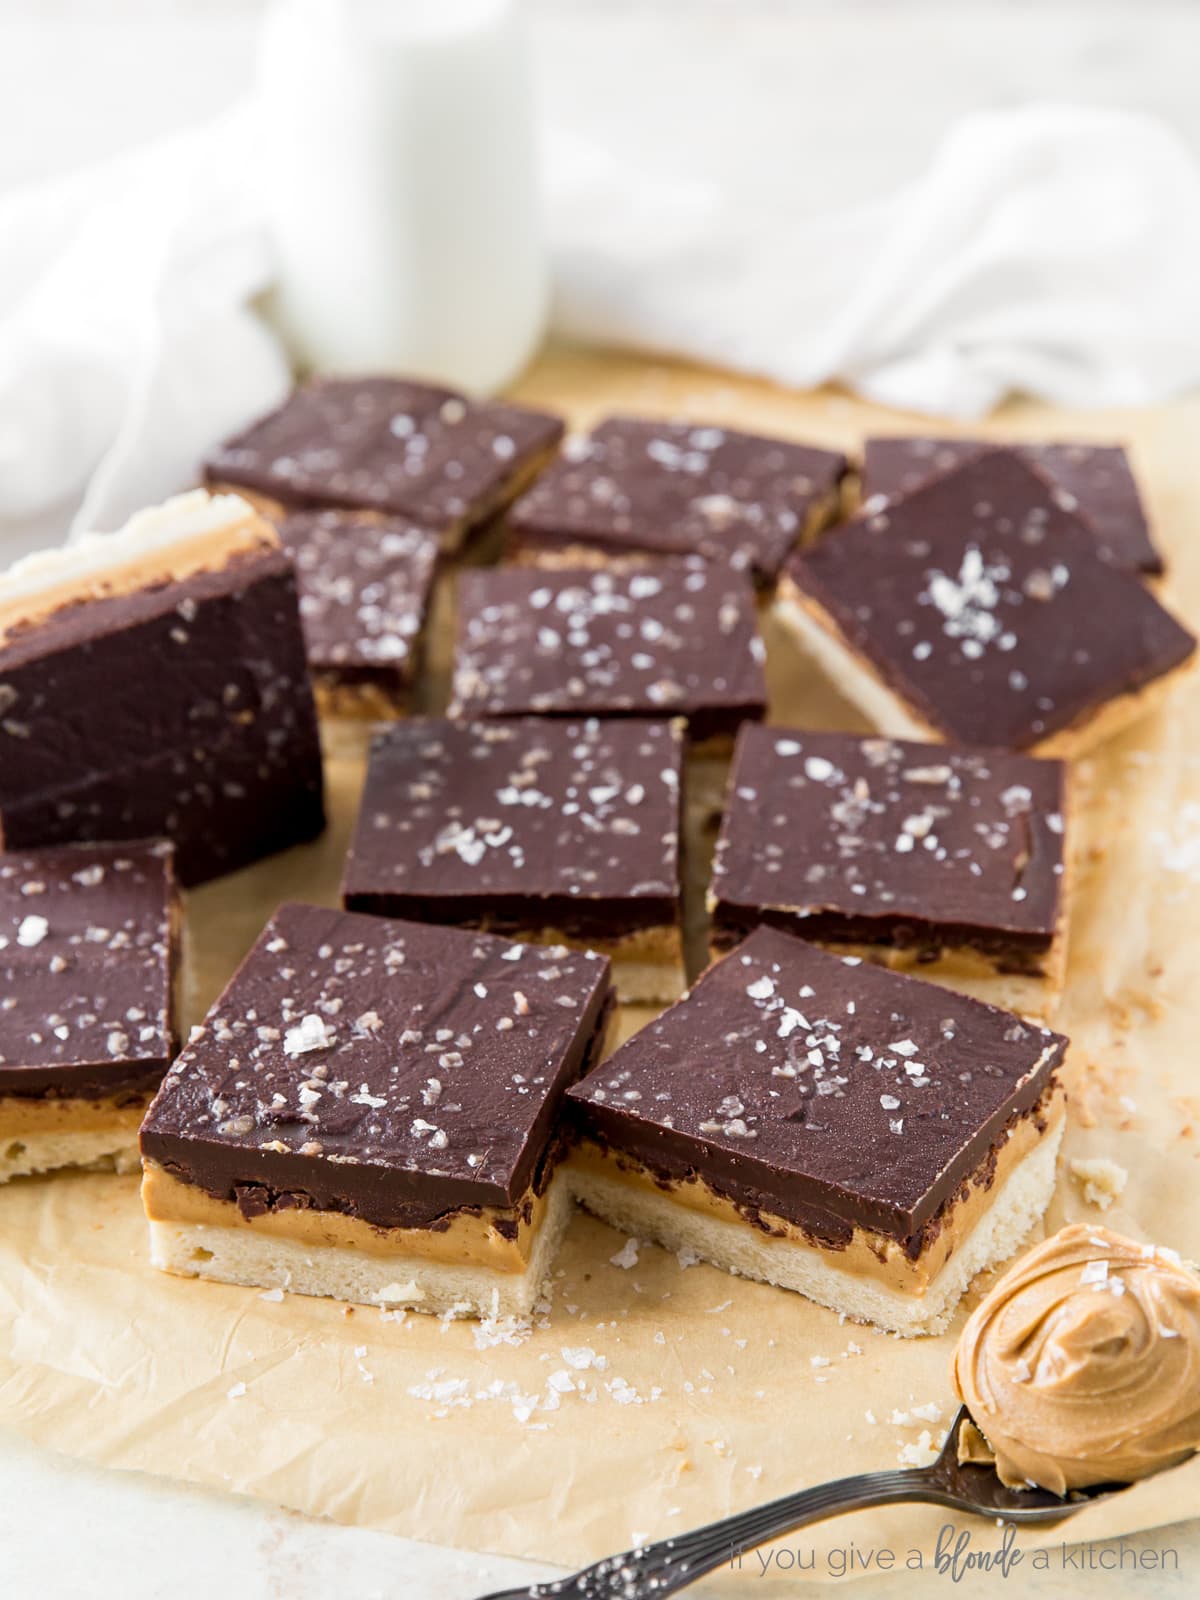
x: 365, y: 587
x: 977, y: 609
x: 819, y: 1089
x: 849, y: 839
x: 1093, y: 479
x: 384, y: 1070
x: 153, y: 681
x: 669, y: 638
x: 523, y: 825
x: 86, y: 970
x: 387, y: 444
x: 673, y: 488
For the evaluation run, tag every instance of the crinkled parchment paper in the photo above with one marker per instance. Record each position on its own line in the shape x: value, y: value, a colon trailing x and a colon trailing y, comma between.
x: 652, y: 1396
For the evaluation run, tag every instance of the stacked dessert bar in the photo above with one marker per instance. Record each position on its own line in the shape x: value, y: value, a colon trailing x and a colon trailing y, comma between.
x: 397, y: 1101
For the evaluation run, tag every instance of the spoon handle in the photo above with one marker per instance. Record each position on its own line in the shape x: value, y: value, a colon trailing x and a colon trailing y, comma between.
x: 654, y: 1571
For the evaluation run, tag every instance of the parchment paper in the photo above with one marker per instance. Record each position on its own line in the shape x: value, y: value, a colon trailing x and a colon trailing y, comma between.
x: 694, y: 1393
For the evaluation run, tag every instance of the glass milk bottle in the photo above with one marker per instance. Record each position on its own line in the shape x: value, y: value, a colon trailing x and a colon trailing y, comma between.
x: 400, y: 177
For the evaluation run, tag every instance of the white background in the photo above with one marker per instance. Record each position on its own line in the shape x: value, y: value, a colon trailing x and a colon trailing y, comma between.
x: 833, y: 98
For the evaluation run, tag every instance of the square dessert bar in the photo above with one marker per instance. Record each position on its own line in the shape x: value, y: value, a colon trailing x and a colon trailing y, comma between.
x: 815, y: 1122
x: 916, y: 856
x: 1093, y: 479
x: 370, y: 1111
x: 153, y: 682
x: 671, y: 638
x: 386, y: 444
x: 365, y: 586
x: 557, y: 830
x: 674, y: 488
x: 976, y: 609
x: 87, y: 977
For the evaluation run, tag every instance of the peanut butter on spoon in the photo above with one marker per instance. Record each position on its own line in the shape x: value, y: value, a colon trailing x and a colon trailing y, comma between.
x: 1082, y: 1365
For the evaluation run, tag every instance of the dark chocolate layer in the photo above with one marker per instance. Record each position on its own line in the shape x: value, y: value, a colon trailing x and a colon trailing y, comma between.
x: 365, y: 585
x: 982, y: 603
x: 384, y: 1070
x: 387, y: 444
x: 521, y: 825
x: 1096, y: 477
x: 873, y: 840
x: 674, y: 488
x: 669, y: 638
x: 182, y: 709
x: 820, y: 1089
x: 87, y: 968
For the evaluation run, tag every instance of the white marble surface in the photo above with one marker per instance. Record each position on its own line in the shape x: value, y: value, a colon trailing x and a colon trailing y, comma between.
x: 840, y: 98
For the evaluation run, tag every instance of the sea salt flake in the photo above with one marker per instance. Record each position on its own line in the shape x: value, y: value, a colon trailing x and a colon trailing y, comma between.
x: 582, y: 1357
x: 32, y: 931
x: 310, y: 1033
x: 626, y: 1256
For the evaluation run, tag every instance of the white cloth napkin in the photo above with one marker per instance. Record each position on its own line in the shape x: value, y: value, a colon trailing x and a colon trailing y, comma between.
x: 128, y: 336
x: 1052, y: 249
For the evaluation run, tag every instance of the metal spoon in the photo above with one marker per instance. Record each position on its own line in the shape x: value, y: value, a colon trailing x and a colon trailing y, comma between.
x: 653, y: 1571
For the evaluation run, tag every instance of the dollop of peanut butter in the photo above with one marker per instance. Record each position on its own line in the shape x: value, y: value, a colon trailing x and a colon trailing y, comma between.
x: 1082, y: 1365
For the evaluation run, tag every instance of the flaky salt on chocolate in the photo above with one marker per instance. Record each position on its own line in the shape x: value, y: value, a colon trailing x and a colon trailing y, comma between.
x: 976, y: 609
x: 867, y: 1139
x: 153, y: 682
x: 370, y: 1111
x: 389, y: 444
x: 565, y: 831
x: 944, y: 861
x: 669, y: 638
x: 365, y: 582
x: 87, y: 980
x: 677, y: 488
x: 1093, y: 479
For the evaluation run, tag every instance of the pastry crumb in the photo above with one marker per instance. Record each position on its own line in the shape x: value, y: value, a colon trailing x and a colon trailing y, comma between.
x: 922, y: 1454
x: 627, y: 1256
x: 1101, y: 1180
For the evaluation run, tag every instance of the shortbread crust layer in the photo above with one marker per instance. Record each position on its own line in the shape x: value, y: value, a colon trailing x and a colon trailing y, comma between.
x: 392, y: 1267
x: 43, y: 1133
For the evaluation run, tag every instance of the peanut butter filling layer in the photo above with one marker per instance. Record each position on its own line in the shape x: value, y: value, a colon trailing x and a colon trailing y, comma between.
x: 356, y: 702
x: 868, y: 1254
x: 468, y: 1238
x: 955, y: 963
x: 23, y: 1118
x: 659, y: 946
x: 192, y: 533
